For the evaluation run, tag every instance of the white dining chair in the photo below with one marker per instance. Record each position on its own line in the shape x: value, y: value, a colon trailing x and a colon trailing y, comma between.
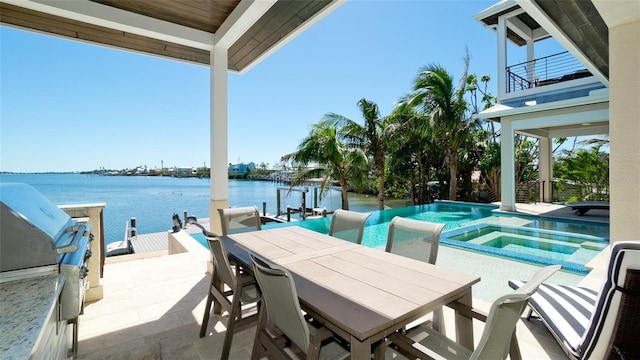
x: 348, y: 225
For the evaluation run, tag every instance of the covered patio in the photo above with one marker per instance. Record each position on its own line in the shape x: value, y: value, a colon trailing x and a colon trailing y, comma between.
x: 153, y: 307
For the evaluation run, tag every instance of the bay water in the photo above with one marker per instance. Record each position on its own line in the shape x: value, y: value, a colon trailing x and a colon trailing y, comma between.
x: 153, y: 200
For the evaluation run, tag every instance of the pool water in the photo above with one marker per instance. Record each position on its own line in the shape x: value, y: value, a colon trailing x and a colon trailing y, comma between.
x: 524, y: 243
x: 477, y: 227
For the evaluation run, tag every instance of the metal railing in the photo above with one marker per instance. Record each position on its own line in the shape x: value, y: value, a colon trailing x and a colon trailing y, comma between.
x: 543, y: 71
x: 529, y: 192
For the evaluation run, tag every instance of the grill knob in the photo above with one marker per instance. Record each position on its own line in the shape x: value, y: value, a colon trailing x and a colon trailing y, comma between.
x: 87, y: 254
x: 84, y: 271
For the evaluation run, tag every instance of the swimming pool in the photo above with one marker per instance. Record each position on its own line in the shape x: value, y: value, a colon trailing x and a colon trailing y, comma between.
x: 476, y: 227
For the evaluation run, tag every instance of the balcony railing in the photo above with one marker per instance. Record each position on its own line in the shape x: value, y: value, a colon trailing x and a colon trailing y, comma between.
x: 543, y: 71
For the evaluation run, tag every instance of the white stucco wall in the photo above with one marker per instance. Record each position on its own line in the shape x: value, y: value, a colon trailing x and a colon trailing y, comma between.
x: 624, y: 60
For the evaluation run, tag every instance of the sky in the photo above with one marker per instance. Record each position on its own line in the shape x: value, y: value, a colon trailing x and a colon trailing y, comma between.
x: 73, y: 106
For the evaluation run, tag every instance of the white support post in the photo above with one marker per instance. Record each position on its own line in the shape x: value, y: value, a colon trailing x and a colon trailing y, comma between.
x: 624, y: 131
x: 545, y: 168
x: 502, y: 57
x: 531, y: 65
x: 507, y: 165
x: 219, y: 134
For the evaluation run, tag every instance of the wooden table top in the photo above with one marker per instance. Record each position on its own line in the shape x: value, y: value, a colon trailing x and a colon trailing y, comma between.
x: 364, y: 292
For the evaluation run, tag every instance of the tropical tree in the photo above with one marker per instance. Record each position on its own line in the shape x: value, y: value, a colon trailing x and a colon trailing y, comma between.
x: 588, y: 169
x: 325, y: 147
x: 486, y: 138
x: 414, y: 151
x: 434, y: 92
x: 369, y: 137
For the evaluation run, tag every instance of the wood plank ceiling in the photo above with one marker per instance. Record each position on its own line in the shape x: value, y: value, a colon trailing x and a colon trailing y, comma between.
x: 205, y: 15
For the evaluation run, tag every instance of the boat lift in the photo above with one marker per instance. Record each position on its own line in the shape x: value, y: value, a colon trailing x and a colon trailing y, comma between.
x: 303, y: 210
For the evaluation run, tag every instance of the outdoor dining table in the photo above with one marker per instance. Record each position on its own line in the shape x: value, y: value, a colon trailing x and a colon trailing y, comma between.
x: 360, y: 293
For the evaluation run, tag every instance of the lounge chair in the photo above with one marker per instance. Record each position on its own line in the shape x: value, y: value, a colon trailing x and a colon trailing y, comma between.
x: 348, y: 225
x: 498, y: 338
x: 596, y: 325
x: 282, y: 323
x: 584, y: 206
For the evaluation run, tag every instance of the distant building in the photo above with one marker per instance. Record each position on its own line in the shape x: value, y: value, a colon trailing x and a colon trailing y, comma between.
x: 241, y: 168
x: 185, y: 170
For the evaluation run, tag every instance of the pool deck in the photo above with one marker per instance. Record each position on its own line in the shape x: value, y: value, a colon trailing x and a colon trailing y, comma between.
x: 153, y: 303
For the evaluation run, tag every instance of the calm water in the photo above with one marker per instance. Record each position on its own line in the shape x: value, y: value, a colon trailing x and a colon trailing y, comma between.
x: 153, y: 200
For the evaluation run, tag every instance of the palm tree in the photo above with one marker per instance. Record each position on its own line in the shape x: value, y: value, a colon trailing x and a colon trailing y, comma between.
x: 413, y: 150
x: 368, y: 137
x: 435, y: 93
x: 325, y: 146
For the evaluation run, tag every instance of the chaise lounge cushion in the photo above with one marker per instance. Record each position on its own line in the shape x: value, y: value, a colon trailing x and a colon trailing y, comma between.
x: 607, y: 333
x: 565, y: 311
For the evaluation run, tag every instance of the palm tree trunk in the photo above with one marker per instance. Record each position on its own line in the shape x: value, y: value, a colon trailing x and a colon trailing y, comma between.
x: 380, y: 167
x: 345, y: 195
x: 453, y: 176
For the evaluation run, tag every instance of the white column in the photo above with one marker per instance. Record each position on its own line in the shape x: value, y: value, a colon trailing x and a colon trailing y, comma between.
x: 219, y: 134
x: 545, y: 168
x: 624, y: 127
x: 531, y: 66
x: 507, y: 167
x: 502, y: 57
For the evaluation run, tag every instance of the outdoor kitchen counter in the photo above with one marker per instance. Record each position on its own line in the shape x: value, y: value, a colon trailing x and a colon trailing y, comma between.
x: 25, y: 309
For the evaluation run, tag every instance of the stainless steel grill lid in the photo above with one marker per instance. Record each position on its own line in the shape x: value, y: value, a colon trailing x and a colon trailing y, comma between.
x: 33, y: 230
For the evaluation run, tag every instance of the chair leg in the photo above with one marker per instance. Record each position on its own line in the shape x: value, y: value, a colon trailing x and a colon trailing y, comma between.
x: 234, y: 312
x: 313, y: 353
x: 262, y: 318
x: 205, y: 319
x: 514, y: 348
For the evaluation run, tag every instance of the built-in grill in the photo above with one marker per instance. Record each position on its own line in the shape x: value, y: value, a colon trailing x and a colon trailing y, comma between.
x: 36, y: 236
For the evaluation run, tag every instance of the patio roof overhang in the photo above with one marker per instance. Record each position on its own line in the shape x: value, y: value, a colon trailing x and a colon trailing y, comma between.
x: 182, y: 30
x: 576, y: 25
x: 582, y: 116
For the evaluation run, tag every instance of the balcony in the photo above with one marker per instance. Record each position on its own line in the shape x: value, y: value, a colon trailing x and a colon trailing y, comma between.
x: 547, y: 79
x: 544, y: 71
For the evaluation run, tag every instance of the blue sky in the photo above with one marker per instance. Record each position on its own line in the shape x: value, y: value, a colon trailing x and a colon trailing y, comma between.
x: 71, y: 106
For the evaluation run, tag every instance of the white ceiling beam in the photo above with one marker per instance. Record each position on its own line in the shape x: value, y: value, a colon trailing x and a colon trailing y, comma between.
x: 539, y: 33
x: 579, y: 131
x: 240, y: 20
x: 113, y: 18
x: 519, y: 28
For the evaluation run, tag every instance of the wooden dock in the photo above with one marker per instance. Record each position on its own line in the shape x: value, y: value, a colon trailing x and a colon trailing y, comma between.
x: 153, y: 244
x: 150, y: 242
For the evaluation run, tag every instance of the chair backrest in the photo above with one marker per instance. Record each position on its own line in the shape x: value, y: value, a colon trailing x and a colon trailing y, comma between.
x: 617, y: 312
x: 503, y: 316
x: 280, y: 301
x: 414, y: 239
x: 348, y: 225
x: 248, y: 217
x: 221, y: 266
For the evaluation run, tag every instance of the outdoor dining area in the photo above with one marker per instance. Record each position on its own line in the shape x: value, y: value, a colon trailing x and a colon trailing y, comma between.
x: 295, y: 293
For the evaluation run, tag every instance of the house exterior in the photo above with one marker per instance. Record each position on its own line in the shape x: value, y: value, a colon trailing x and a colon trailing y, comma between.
x: 241, y: 168
x: 592, y: 88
